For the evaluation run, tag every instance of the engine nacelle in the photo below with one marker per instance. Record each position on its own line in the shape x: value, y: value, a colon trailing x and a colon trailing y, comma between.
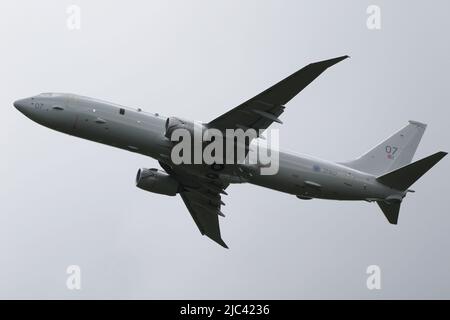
x: 174, y: 123
x: 156, y: 181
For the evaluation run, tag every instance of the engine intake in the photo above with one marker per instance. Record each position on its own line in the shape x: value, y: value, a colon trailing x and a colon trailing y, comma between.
x: 157, y: 181
x: 174, y: 123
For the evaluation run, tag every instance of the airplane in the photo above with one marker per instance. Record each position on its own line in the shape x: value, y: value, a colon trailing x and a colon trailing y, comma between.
x: 383, y: 175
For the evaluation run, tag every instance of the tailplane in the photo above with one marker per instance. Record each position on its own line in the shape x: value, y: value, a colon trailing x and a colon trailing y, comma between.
x: 390, y: 210
x: 393, y: 153
x: 401, y: 179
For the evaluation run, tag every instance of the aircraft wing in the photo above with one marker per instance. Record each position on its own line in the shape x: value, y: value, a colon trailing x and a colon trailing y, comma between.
x: 203, y: 199
x: 204, y: 207
x: 262, y: 110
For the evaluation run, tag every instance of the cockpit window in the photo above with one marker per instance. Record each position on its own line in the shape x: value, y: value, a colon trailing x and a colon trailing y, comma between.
x: 122, y: 111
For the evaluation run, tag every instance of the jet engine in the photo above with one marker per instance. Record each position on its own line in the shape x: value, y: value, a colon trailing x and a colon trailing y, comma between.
x: 156, y: 181
x: 174, y: 123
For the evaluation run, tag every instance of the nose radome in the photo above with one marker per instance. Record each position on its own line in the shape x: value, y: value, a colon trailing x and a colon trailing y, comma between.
x: 20, y: 104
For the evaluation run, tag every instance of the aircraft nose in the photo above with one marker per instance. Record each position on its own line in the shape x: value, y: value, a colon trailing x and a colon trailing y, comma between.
x: 20, y: 104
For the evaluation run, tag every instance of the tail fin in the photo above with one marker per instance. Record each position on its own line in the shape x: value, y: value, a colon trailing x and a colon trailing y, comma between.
x: 403, y: 178
x: 393, y: 153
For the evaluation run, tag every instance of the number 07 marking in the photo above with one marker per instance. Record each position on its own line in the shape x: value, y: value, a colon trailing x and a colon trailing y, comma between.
x: 391, y: 150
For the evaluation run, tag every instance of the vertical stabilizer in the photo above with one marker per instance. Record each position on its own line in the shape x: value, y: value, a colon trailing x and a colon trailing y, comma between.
x: 393, y: 153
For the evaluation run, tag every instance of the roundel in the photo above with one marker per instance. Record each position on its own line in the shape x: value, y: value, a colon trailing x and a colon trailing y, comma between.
x: 217, y: 166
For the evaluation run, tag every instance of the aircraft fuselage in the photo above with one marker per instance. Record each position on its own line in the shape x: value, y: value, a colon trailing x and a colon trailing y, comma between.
x: 143, y: 133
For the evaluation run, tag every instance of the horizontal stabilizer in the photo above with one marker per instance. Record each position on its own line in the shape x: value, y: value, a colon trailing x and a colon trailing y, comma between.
x: 404, y: 177
x: 390, y: 210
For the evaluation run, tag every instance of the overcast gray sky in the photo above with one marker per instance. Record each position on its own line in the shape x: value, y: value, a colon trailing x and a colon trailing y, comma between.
x: 66, y: 201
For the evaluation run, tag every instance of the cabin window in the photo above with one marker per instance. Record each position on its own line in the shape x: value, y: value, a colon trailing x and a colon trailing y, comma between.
x: 122, y: 111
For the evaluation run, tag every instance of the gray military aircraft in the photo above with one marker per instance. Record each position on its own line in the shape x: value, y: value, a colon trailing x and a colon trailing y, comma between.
x: 383, y: 175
